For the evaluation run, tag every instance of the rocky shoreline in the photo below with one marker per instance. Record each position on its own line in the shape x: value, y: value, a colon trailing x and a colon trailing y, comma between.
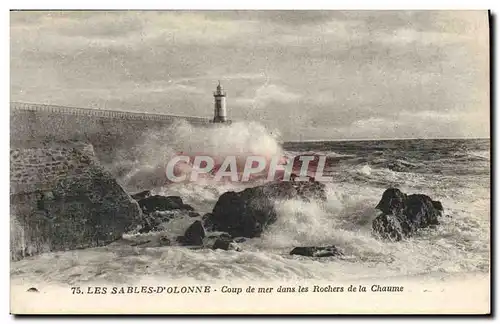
x: 238, y: 216
x: 63, y: 199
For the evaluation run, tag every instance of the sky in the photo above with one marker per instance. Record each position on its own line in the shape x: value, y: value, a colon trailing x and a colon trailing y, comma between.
x: 310, y: 75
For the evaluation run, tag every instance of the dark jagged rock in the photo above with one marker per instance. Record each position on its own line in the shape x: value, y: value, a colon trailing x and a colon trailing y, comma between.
x: 244, y: 213
x: 221, y: 244
x: 305, y: 190
x: 421, y: 211
x: 65, y: 199
x: 402, y: 215
x: 249, y: 212
x: 141, y: 195
x: 207, y: 222
x: 163, y: 216
x: 140, y: 243
x: 193, y: 214
x: 314, y: 251
x: 150, y: 222
x: 437, y: 205
x: 222, y: 236
x: 389, y: 227
x: 187, y: 207
x: 162, y: 203
x: 239, y: 239
x: 225, y: 244
x: 194, y: 234
x: 164, y: 241
x: 392, y: 201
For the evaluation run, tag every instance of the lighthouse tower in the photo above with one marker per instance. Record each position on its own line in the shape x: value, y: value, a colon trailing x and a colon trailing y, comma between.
x: 220, y: 113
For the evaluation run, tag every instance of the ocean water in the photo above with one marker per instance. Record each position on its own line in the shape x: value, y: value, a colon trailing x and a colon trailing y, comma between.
x: 456, y: 172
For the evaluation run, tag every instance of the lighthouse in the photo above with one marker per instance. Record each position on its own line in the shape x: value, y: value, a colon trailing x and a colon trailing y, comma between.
x: 220, y: 113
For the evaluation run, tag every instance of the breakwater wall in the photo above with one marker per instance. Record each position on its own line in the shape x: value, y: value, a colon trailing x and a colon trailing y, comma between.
x: 61, y: 198
x: 62, y: 195
x: 106, y: 130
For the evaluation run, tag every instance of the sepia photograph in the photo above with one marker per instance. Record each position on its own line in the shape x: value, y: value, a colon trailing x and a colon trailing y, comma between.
x: 250, y: 162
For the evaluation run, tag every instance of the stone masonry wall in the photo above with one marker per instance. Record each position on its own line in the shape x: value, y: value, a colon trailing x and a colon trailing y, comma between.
x: 62, y: 198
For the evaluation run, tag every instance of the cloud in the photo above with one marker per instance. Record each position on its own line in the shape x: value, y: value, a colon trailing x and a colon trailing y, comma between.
x: 422, y: 124
x: 314, y: 72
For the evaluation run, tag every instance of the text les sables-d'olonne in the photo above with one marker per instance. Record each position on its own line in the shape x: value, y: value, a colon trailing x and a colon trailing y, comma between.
x: 206, y: 289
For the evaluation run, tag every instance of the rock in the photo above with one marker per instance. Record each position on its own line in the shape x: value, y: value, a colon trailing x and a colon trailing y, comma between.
x: 226, y: 245
x: 141, y: 195
x: 402, y: 215
x: 176, y: 200
x: 162, y: 203
x: 244, y: 213
x: 247, y: 213
x: 222, y: 236
x: 305, y: 190
x: 239, y: 239
x: 388, y: 227
x: 421, y: 211
x: 221, y: 244
x: 164, y: 216
x: 194, y: 234
x: 437, y: 205
x: 211, y: 238
x: 207, y: 222
x: 193, y: 214
x: 392, y: 201
x: 149, y: 223
x: 140, y: 243
x: 187, y: 207
x: 152, y: 221
x: 164, y: 241
x: 314, y: 251
x: 32, y: 289
x: 60, y: 208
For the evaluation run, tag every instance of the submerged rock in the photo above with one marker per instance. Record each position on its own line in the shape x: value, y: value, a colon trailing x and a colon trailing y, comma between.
x: 247, y: 213
x: 221, y: 244
x: 193, y: 214
x: 226, y: 245
x: 162, y: 203
x: 389, y: 227
x: 402, y: 215
x: 244, y: 213
x: 152, y: 221
x: 65, y: 199
x: 161, y: 209
x: 194, y: 234
x: 141, y: 195
x: 207, y: 221
x: 437, y: 205
x: 314, y: 251
x: 221, y: 235
x: 139, y: 243
x: 164, y: 241
x: 305, y: 190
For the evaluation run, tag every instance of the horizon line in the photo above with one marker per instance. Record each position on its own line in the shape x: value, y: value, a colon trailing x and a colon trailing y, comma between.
x: 388, y: 139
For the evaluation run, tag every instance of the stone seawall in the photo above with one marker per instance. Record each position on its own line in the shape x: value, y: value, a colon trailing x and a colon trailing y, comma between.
x: 108, y: 131
x: 62, y: 198
x: 61, y: 195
